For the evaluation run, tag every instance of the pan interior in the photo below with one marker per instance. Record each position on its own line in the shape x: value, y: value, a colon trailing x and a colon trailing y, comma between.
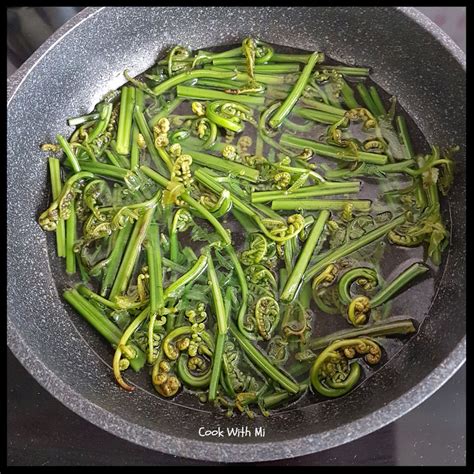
x: 413, y: 302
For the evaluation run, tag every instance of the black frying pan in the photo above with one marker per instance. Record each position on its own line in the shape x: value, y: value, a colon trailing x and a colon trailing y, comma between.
x: 411, y: 58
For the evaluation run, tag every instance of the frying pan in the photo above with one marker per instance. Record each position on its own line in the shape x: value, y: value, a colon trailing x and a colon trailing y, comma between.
x: 411, y: 58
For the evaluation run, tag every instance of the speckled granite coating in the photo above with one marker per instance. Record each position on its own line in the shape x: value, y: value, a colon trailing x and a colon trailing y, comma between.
x: 412, y: 58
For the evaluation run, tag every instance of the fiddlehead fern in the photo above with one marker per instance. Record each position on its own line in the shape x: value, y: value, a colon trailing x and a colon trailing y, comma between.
x: 164, y: 381
x: 325, y: 290
x: 366, y: 278
x: 176, y: 60
x: 217, y: 206
x: 259, y: 275
x: 182, y: 220
x: 279, y: 231
x: 181, y: 171
x: 296, y: 322
x: 205, y: 130
x: 282, y: 179
x: 358, y: 310
x: 257, y: 250
x: 229, y: 115
x: 277, y: 350
x: 360, y: 306
x: 332, y: 375
x: 267, y: 316
x: 94, y: 191
x: 61, y: 207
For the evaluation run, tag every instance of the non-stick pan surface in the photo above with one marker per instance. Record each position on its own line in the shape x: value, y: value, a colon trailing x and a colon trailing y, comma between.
x: 411, y: 58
